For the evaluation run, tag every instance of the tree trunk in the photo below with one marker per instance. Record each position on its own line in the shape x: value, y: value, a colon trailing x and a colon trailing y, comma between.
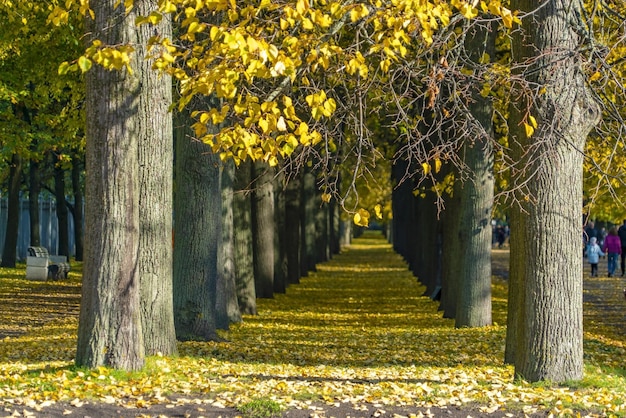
x: 322, y: 248
x: 473, y: 308
x: 424, y: 249
x: 156, y: 167
x: 78, y: 211
x: 197, y: 209
x: 110, y: 329
x: 34, y: 189
x: 451, y: 265
x: 263, y: 229
x: 9, y: 251
x: 401, y: 197
x: 280, y: 235
x: 547, y: 303
x: 242, y: 224
x: 226, y: 306
x: 63, y: 243
x: 307, y: 224
x: 292, y: 221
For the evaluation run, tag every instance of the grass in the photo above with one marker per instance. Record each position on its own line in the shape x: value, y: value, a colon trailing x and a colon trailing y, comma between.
x: 357, y: 330
x: 260, y: 408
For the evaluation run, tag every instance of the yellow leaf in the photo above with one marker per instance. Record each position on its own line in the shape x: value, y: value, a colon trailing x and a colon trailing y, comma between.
x: 378, y: 211
x: 533, y: 121
x: 280, y: 124
x: 437, y: 165
x: 63, y: 68
x: 595, y: 76
x: 362, y: 218
x: 84, y: 64
x: 326, y: 197
x: 426, y: 168
x: 529, y: 130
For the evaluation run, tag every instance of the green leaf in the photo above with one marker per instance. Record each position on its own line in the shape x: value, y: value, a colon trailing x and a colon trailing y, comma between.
x: 84, y: 64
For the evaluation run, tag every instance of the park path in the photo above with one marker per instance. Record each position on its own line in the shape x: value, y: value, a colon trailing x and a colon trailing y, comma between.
x: 354, y: 338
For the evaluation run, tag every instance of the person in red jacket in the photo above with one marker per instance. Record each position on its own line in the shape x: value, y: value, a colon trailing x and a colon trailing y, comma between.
x: 613, y: 248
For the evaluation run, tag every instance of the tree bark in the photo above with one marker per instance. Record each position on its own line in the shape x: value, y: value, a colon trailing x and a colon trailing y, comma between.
x: 197, y: 209
x: 280, y: 235
x: 110, y: 327
x: 322, y: 233
x: 451, y: 265
x: 547, y: 301
x: 263, y: 227
x: 242, y: 223
x: 156, y: 167
x: 226, y: 306
x: 34, y: 188
x: 79, y: 205
x: 63, y: 246
x: 9, y: 251
x: 307, y: 224
x: 473, y: 307
x: 292, y: 221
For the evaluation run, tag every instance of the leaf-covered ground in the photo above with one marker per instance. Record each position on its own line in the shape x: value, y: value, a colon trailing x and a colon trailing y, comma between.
x: 356, y: 338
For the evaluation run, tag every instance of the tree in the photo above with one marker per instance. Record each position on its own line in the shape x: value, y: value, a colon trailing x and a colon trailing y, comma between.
x: 62, y: 211
x: 78, y: 207
x: 473, y: 297
x: 198, y: 210
x: 155, y: 193
x: 263, y: 229
x: 244, y: 259
x: 110, y: 328
x: 226, y: 305
x: 9, y: 252
x: 552, y: 112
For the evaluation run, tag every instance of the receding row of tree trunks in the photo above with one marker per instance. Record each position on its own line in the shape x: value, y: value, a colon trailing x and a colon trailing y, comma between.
x: 544, y: 330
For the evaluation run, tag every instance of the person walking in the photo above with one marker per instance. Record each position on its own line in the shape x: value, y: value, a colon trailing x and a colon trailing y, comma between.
x: 621, y: 232
x: 613, y: 248
x: 594, y: 252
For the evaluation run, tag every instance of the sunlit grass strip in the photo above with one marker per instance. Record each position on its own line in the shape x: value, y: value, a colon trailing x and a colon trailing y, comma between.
x: 358, y: 330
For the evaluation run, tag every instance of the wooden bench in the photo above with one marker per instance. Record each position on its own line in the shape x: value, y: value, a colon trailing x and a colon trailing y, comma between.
x: 42, y: 266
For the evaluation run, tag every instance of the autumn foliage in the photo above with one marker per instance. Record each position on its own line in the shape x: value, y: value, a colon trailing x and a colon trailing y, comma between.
x: 359, y: 330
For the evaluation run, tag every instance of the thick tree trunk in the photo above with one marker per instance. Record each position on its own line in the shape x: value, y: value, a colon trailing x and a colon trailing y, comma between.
x: 307, y: 224
x: 401, y: 200
x: 451, y: 265
x: 473, y: 308
x: 197, y: 209
x: 78, y: 211
x: 263, y: 227
x: 333, y: 222
x: 280, y: 234
x: 34, y: 188
x: 63, y: 245
x: 547, y: 302
x: 242, y: 225
x: 156, y: 167
x: 292, y: 221
x: 9, y: 251
x: 424, y: 250
x: 110, y: 329
x: 226, y: 305
x: 322, y: 242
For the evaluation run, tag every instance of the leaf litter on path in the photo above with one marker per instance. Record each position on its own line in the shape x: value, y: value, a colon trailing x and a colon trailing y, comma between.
x: 355, y: 338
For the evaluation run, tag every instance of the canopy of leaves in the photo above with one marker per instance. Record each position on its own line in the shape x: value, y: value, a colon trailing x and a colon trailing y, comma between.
x: 39, y: 110
x: 605, y: 167
x: 357, y: 331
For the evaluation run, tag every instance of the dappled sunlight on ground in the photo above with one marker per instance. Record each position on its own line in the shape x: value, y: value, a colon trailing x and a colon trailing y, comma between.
x: 358, y: 330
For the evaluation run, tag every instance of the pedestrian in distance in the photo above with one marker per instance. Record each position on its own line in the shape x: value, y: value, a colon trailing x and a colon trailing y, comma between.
x: 594, y: 252
x: 613, y: 248
x: 621, y: 232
